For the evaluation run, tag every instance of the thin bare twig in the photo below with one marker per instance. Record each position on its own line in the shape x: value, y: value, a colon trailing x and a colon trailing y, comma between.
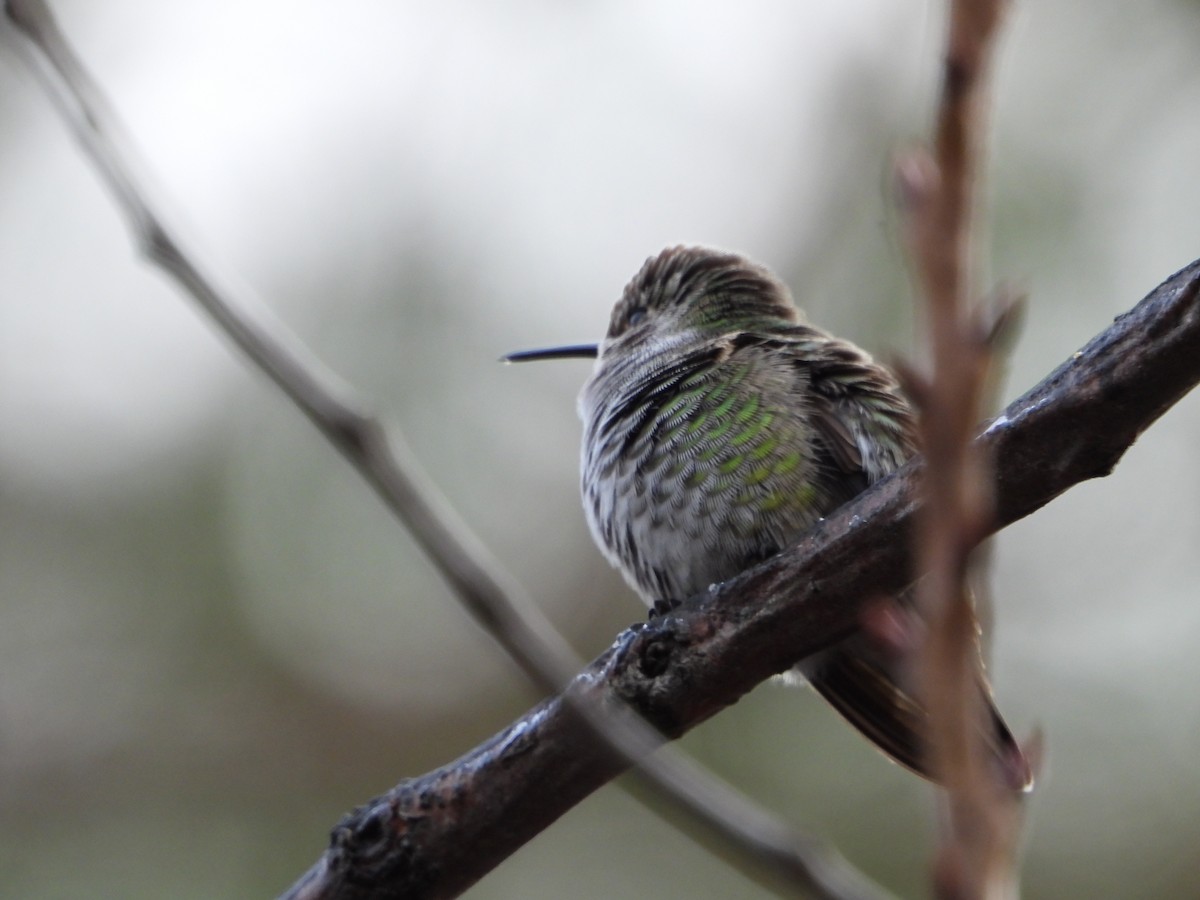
x: 386, y: 463
x: 979, y: 837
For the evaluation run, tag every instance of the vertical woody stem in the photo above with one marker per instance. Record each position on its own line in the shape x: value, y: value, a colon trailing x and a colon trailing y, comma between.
x: 976, y: 856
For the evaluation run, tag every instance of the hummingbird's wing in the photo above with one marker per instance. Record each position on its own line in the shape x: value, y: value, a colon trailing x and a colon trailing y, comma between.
x: 859, y: 411
x: 865, y: 425
x: 867, y: 429
x: 867, y: 695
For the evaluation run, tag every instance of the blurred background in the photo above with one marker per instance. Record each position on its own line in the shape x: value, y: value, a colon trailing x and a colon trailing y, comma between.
x: 213, y: 639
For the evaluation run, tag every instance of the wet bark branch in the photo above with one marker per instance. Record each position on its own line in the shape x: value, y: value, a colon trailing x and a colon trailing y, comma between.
x: 435, y: 835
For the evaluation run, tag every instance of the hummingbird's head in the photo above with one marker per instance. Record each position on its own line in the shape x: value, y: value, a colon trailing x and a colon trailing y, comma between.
x: 696, y: 292
x: 685, y: 294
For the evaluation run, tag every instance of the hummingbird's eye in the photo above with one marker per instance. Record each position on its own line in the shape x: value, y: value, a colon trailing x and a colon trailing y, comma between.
x: 635, y: 316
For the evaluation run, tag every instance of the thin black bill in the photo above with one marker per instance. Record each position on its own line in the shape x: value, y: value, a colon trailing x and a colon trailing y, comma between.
x: 576, y: 351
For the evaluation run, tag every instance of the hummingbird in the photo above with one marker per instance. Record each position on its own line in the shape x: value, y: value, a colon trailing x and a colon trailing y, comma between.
x: 718, y: 427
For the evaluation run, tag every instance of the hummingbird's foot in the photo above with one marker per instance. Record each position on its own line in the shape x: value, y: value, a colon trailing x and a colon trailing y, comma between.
x: 662, y: 607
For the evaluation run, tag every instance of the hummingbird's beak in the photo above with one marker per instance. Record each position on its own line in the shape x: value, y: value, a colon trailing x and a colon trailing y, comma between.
x: 577, y: 351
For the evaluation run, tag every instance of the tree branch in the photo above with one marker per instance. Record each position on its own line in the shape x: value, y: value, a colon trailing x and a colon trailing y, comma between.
x: 435, y: 835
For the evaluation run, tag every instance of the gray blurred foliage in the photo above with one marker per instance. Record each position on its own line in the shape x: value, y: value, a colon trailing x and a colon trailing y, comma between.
x: 213, y: 641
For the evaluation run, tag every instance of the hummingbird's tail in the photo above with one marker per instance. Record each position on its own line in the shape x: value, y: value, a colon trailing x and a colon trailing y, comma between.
x: 869, y: 698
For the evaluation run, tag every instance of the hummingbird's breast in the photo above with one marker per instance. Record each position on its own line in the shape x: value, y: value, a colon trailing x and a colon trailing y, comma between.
x: 698, y: 463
